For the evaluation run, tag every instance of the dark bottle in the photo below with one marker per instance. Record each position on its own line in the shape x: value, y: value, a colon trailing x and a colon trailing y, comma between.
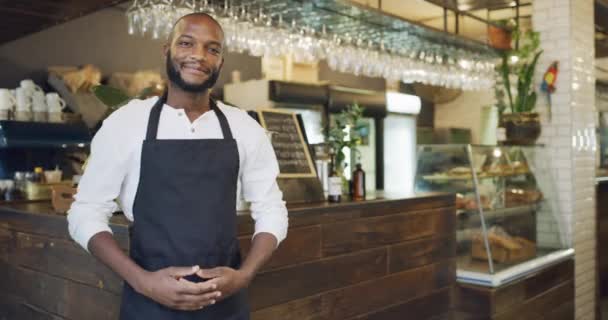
x: 358, y: 183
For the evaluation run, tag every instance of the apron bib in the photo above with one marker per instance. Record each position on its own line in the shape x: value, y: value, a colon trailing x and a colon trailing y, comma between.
x: 185, y: 214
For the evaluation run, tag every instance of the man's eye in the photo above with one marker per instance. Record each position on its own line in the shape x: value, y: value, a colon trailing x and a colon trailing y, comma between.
x: 184, y: 43
x: 214, y: 51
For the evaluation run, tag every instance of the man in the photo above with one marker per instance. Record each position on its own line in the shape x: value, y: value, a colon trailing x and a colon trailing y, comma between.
x: 174, y: 163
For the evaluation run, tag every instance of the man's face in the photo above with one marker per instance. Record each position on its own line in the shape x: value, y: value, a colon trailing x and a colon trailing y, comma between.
x: 194, y: 57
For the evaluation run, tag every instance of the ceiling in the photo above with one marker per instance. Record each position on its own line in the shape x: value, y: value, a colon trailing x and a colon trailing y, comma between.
x: 22, y: 17
x: 475, y: 14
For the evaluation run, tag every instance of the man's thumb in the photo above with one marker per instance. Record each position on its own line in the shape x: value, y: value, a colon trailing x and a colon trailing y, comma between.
x: 209, y: 273
x: 180, y: 272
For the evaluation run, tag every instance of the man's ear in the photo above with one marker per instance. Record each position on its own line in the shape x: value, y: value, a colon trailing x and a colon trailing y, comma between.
x: 222, y: 63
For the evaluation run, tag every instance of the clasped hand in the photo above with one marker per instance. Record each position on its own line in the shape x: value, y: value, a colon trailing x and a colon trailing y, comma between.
x: 168, y: 286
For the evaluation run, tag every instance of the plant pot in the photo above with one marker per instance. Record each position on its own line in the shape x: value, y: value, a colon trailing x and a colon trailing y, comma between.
x: 521, y: 128
x: 499, y: 38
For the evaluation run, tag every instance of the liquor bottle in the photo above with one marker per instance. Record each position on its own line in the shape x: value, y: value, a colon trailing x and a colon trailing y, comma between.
x: 358, y: 183
x: 38, y: 175
x: 334, y: 188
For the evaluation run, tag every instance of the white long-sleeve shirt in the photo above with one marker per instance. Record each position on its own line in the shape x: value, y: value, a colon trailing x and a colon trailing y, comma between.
x: 113, y: 167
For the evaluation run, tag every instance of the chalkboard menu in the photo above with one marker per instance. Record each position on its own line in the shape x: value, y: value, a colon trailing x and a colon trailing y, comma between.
x: 288, y: 143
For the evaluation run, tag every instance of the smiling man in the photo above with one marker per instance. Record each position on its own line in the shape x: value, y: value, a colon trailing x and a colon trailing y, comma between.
x: 174, y: 163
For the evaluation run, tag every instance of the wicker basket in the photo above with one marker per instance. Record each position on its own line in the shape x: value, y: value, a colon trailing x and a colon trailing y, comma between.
x: 62, y: 197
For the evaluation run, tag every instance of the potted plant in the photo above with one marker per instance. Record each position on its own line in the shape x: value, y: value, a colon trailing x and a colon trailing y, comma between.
x: 343, y: 132
x: 499, y: 33
x: 516, y: 73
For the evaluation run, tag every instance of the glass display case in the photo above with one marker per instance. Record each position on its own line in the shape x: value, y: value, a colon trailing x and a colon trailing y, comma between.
x: 508, y: 219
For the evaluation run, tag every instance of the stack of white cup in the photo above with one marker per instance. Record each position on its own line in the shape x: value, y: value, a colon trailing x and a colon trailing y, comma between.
x: 24, y: 94
x: 23, y: 108
x: 7, y: 103
x: 29, y: 103
x: 39, y: 107
x: 54, y: 105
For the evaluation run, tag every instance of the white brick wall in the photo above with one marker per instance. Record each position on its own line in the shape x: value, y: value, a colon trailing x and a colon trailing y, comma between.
x: 566, y: 28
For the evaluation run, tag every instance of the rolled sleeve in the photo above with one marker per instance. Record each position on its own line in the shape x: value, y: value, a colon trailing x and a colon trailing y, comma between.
x: 99, y: 186
x: 260, y: 188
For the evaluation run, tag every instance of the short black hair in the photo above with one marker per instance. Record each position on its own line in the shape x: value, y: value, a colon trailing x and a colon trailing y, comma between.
x: 194, y: 14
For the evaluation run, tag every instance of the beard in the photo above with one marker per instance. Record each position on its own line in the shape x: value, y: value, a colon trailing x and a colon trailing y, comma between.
x: 176, y: 78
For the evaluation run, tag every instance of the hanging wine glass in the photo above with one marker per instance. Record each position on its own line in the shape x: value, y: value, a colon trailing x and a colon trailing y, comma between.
x: 133, y: 18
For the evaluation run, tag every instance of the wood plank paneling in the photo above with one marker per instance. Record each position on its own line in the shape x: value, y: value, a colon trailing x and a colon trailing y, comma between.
x: 291, y: 283
x: 417, y: 253
x: 59, y: 296
x: 433, y: 306
x: 389, y: 290
x: 323, y: 213
x: 509, y: 296
x: 541, y: 305
x: 64, y: 259
x: 304, y: 309
x: 361, y: 234
x: 51, y: 225
x: 564, y: 311
x: 13, y: 308
x: 48, y: 275
x: 354, y: 211
x: 473, y: 300
x: 6, y: 242
x: 302, y: 245
x: 534, y: 297
x: 361, y: 298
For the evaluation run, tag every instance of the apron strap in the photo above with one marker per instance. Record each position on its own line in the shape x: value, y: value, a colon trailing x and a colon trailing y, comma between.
x: 223, y: 121
x: 152, y: 130
x: 155, y: 116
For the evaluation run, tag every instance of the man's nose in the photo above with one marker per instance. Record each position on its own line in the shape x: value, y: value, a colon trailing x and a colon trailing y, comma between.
x: 198, y: 53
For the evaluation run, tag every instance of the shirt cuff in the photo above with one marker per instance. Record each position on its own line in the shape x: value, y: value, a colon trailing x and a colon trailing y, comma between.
x: 276, y: 227
x: 86, y: 230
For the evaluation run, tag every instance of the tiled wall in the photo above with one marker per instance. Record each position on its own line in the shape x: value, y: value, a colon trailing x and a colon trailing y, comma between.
x: 567, y: 30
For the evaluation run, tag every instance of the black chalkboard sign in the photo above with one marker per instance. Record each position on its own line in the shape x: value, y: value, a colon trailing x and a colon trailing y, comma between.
x: 288, y: 143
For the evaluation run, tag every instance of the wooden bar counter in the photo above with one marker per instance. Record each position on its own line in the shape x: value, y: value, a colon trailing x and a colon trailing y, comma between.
x: 378, y: 259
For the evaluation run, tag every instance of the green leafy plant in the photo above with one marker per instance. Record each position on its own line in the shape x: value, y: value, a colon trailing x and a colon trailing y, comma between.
x: 518, y: 65
x: 115, y: 98
x: 509, y: 24
x: 343, y: 133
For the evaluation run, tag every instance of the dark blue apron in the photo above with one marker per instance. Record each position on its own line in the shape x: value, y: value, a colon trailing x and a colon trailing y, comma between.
x: 184, y: 215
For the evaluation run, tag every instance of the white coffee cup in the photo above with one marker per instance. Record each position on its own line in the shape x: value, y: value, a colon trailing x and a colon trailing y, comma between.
x: 39, y: 102
x: 30, y: 86
x: 24, y: 100
x: 7, y: 100
x: 54, y: 102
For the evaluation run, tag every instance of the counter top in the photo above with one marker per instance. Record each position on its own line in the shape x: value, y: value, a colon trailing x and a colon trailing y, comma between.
x: 299, y: 214
x: 46, y: 208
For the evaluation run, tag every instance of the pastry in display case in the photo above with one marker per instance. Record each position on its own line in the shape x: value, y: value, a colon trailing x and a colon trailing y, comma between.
x: 508, y: 217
